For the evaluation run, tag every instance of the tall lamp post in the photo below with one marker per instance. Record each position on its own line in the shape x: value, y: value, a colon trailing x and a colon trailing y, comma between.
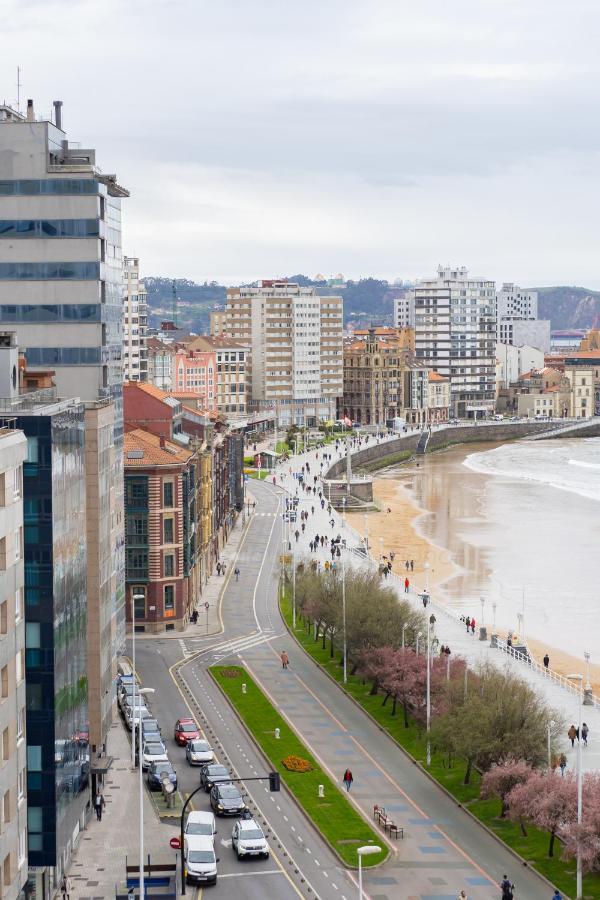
x: 429, y: 626
x: 133, y: 599
x: 482, y: 601
x: 494, y: 607
x: 587, y: 693
x: 579, y: 678
x: 404, y: 627
x: 417, y: 647
x: 426, y: 567
x: 141, y: 786
x: 367, y: 850
x: 366, y: 534
x: 550, y: 726
x: 344, y: 649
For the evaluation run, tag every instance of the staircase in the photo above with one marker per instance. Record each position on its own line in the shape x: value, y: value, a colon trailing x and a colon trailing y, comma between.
x: 423, y: 441
x: 335, y: 492
x: 573, y: 425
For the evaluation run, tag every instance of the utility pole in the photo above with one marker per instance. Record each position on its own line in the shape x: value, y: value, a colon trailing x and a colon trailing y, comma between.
x: 174, y: 295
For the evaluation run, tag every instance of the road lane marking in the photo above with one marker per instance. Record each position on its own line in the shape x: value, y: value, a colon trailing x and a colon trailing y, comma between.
x: 253, y: 874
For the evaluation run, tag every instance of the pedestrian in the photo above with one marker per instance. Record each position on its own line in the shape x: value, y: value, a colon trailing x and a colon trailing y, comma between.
x: 507, y: 888
x: 99, y: 803
x: 65, y: 887
x: 407, y: 564
x: 322, y: 540
x: 296, y: 534
x: 195, y: 617
x: 237, y: 573
x: 311, y: 546
x: 332, y: 523
x: 322, y: 503
x: 557, y: 895
x: 348, y: 779
x: 448, y: 651
x: 222, y: 568
x: 572, y: 734
x: 303, y: 526
x: 472, y: 626
x: 468, y: 623
x: 442, y: 650
x: 412, y: 565
x: 392, y: 555
x: 562, y: 763
x: 312, y: 510
x: 406, y: 585
x: 218, y: 568
x: 546, y: 661
x: 462, y: 896
x: 584, y: 734
x: 285, y: 660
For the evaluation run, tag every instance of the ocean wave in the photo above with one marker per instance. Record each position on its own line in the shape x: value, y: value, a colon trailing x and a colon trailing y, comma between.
x: 484, y: 465
x: 584, y: 465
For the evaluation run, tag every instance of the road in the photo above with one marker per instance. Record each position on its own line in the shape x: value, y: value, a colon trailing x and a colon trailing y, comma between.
x: 444, y: 850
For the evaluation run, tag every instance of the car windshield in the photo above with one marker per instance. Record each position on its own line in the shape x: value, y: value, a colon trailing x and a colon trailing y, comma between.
x: 198, y: 828
x: 201, y: 856
x: 217, y: 770
x: 187, y: 727
x: 159, y: 768
x: 199, y: 746
x: 251, y: 834
x: 154, y: 749
x: 228, y: 792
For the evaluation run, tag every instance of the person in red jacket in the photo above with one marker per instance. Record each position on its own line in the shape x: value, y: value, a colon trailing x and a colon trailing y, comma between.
x: 406, y: 585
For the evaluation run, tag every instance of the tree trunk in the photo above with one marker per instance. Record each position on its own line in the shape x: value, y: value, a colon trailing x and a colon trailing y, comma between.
x: 331, y: 645
x: 504, y: 809
x: 374, y: 687
x: 324, y: 638
x: 405, y: 708
x: 386, y: 698
x: 551, y: 847
x: 353, y: 671
x: 522, y: 824
x: 394, y: 705
x: 467, y: 778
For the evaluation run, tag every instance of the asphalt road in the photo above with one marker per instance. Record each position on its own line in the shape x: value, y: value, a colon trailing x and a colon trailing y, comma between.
x: 444, y: 849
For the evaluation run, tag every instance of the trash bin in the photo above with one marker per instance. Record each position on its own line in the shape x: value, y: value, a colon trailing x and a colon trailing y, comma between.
x: 482, y: 633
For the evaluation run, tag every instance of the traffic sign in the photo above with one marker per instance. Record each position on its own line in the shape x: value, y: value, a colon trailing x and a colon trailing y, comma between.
x: 175, y: 843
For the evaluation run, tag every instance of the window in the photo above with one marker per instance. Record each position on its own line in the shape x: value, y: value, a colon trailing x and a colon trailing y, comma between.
x: 50, y: 271
x: 20, y: 720
x: 50, y: 312
x: 6, y: 807
x: 136, y: 563
x: 64, y: 186
x: 48, y: 228
x: 6, y: 873
x: 169, y: 565
x: 168, y: 493
x: 21, y: 786
x: 63, y: 356
x: 18, y: 603
x: 32, y: 643
x: 3, y: 617
x: 169, y: 600
x: 4, y: 681
x: 168, y: 531
x: 20, y: 666
x: 22, y: 846
x: 138, y: 593
x: 17, y: 544
x: 5, y: 744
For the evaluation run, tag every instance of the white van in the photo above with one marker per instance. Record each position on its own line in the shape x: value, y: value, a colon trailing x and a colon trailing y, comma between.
x: 201, y: 824
x: 200, y: 860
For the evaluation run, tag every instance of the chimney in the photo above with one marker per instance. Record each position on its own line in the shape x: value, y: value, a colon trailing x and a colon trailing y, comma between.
x: 58, y: 113
x: 162, y: 441
x: 30, y: 115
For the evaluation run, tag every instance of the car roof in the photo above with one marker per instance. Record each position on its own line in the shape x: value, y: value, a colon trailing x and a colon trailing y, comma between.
x: 199, y: 815
x: 162, y: 763
x: 186, y: 721
x: 199, y: 842
x: 226, y: 784
x: 248, y: 823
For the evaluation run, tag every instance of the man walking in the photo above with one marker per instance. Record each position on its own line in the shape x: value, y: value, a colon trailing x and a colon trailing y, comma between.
x: 99, y: 803
x: 65, y: 887
x: 348, y: 779
x: 584, y: 734
x: 285, y: 660
x: 237, y: 573
x: 572, y: 734
x: 546, y: 661
x: 506, y: 887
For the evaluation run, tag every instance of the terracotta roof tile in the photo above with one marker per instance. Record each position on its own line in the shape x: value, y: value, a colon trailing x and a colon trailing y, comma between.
x: 140, y: 441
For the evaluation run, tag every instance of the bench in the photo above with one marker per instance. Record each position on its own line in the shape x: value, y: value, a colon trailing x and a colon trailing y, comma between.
x: 397, y: 830
x: 385, y: 821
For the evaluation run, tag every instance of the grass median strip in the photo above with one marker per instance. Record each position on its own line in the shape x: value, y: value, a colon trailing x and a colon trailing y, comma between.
x: 533, y: 847
x: 334, y: 816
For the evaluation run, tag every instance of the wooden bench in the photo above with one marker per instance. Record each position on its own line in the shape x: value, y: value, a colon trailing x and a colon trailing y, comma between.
x: 378, y: 812
x: 397, y: 830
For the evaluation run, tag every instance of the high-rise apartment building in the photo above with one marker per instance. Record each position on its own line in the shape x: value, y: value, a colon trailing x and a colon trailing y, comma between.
x: 404, y: 311
x: 13, y: 775
x: 374, y: 364
x: 517, y: 318
x: 230, y: 390
x: 135, y: 322
x: 296, y: 340
x: 455, y: 335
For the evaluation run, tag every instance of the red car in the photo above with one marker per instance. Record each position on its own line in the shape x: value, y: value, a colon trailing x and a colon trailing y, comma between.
x: 186, y: 730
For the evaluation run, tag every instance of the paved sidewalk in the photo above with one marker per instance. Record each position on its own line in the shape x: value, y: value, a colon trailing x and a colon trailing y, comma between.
x: 449, y: 629
x: 98, y: 863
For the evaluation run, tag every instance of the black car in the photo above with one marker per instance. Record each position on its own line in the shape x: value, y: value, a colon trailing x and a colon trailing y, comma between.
x: 226, y: 800
x: 213, y: 774
x: 156, y: 773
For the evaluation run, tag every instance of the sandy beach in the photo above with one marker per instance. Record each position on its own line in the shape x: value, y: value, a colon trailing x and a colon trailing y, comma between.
x: 419, y: 527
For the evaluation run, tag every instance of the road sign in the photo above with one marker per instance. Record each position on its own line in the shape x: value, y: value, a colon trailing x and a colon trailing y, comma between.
x: 207, y: 605
x: 175, y: 843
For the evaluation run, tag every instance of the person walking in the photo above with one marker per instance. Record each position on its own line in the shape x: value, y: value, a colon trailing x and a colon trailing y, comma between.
x: 348, y: 779
x: 218, y: 568
x: 557, y: 895
x: 412, y: 565
x: 285, y: 660
x: 507, y: 888
x: 572, y: 734
x: 296, y: 535
x: 468, y: 623
x: 65, y: 887
x: 546, y: 661
x: 236, y: 572
x: 99, y: 804
x: 462, y: 896
x: 407, y: 564
x: 584, y: 734
x: 472, y: 626
x: 562, y: 763
x: 406, y: 585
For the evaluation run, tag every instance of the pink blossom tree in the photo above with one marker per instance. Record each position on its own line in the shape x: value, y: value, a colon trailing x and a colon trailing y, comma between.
x: 547, y: 800
x: 502, y: 778
x: 404, y: 681
x: 585, y: 838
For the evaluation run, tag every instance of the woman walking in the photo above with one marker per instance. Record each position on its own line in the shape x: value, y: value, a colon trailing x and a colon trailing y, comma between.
x: 348, y: 779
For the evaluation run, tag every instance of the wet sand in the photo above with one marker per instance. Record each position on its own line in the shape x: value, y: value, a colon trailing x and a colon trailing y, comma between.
x: 438, y: 517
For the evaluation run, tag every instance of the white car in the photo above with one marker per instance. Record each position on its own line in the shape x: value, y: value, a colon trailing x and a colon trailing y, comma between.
x: 199, y: 752
x: 247, y: 839
x: 154, y: 751
x: 140, y: 713
x: 200, y: 860
x: 201, y: 824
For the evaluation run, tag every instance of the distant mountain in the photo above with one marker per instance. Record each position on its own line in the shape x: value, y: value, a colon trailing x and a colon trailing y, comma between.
x: 569, y: 307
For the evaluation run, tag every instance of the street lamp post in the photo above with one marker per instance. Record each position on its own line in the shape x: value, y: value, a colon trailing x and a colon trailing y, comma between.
x: 141, y: 785
x: 587, y: 694
x: 404, y: 627
x: 367, y: 850
x: 133, y: 599
x: 426, y: 567
x: 417, y: 642
x: 579, y: 677
x: 343, y: 512
x: 482, y: 601
x: 428, y: 693
x: 550, y: 726
x: 294, y: 588
x: 344, y: 649
x: 366, y: 534
x: 494, y: 606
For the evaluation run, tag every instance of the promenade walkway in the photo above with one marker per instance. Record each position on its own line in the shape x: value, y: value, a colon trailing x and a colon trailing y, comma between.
x: 449, y: 629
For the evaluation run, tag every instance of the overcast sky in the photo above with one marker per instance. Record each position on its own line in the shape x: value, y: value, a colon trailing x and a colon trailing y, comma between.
x: 269, y: 137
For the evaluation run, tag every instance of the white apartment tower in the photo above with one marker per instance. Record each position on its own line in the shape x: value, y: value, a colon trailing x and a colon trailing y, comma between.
x: 404, y: 311
x: 13, y: 774
x: 455, y: 335
x: 517, y: 318
x: 296, y: 337
x: 135, y: 322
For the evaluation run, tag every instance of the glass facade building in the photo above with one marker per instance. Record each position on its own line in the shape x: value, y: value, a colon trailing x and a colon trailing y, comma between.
x: 55, y: 632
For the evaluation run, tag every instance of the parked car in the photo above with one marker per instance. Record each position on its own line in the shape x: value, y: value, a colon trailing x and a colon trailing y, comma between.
x: 199, y: 753
x: 248, y: 839
x: 151, y: 727
x: 157, y: 772
x: 200, y: 860
x: 185, y: 730
x: 201, y: 824
x: 140, y: 713
x: 153, y: 752
x: 213, y: 774
x: 226, y: 800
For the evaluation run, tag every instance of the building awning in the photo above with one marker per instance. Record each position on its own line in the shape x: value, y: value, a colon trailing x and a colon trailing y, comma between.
x: 101, y: 765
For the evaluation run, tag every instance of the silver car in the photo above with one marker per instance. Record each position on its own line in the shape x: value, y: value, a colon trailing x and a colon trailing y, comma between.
x: 199, y: 752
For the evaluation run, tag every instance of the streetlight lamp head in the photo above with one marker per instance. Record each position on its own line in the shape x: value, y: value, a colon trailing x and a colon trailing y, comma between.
x: 368, y: 850
x: 577, y: 676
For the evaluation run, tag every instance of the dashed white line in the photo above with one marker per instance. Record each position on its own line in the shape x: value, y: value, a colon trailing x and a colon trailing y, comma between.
x: 334, y: 885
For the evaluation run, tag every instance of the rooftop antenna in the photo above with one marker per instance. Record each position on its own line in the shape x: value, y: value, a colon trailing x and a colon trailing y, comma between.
x: 174, y: 291
x: 18, y: 88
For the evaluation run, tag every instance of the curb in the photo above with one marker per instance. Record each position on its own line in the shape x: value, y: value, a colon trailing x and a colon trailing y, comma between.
x: 299, y: 807
x: 416, y: 762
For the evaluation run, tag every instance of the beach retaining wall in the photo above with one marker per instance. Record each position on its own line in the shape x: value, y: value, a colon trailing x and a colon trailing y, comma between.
x: 446, y: 437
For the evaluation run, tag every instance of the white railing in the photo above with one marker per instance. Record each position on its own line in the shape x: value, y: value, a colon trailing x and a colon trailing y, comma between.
x: 548, y: 673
